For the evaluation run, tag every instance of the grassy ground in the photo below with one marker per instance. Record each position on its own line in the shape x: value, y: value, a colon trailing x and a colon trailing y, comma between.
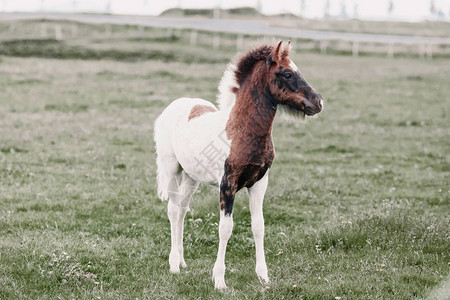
x: 357, y: 205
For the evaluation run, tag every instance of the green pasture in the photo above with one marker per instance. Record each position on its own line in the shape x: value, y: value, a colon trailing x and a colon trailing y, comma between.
x: 358, y: 199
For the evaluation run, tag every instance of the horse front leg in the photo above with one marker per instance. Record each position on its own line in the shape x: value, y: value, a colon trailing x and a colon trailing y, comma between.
x: 256, y: 198
x: 225, y: 229
x: 227, y: 192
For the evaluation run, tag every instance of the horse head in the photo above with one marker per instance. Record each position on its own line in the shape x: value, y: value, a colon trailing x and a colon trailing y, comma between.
x: 287, y: 85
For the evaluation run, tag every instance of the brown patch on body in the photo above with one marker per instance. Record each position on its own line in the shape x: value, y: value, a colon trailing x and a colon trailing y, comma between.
x: 199, y: 110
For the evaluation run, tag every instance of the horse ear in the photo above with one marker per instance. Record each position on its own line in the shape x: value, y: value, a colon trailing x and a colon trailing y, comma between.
x: 285, y: 52
x: 276, y: 57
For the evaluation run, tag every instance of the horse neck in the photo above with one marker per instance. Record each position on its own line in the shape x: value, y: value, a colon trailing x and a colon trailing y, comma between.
x: 254, y: 110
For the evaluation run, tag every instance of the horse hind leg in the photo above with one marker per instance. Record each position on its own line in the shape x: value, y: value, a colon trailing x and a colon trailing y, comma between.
x: 168, y: 178
x: 187, y: 189
x: 180, y: 191
x: 173, y: 185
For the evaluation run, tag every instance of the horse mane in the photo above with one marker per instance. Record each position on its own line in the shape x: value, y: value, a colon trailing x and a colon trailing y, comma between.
x: 236, y: 73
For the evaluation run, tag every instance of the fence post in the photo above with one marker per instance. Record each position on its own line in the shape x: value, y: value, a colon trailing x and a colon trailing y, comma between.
x: 44, y: 30
x: 216, y: 41
x: 323, y: 47
x: 421, y: 51
x: 74, y: 28
x: 298, y: 45
x: 240, y: 42
x: 390, y: 51
x: 193, y: 38
x: 293, y: 43
x: 169, y: 32
x: 108, y: 30
x: 58, y: 32
x: 430, y: 51
x: 355, y: 49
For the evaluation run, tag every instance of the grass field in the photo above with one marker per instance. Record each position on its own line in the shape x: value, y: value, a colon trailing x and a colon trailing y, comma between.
x: 358, y: 199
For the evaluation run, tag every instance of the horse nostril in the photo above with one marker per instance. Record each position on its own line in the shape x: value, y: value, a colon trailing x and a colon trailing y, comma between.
x: 320, y: 104
x: 309, y: 110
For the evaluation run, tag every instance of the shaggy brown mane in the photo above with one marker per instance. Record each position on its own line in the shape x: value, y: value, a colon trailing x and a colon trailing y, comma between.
x: 246, y: 63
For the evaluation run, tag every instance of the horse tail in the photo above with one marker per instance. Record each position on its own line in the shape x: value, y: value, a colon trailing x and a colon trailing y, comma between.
x: 163, y: 178
x: 168, y: 166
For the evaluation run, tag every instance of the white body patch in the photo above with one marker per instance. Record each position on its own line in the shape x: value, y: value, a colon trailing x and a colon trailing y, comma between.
x: 199, y: 145
x: 190, y: 152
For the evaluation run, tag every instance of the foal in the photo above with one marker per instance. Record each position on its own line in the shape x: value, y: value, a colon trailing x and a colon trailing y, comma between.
x: 231, y: 146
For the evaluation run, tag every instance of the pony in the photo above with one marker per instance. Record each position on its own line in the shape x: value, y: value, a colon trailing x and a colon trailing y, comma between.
x: 230, y: 146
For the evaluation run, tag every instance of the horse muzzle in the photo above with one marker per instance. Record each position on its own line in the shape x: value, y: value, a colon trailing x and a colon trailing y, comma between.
x: 313, y: 105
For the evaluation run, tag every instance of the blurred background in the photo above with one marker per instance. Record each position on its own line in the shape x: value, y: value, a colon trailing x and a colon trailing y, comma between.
x: 392, y: 27
x: 405, y: 10
x: 358, y: 200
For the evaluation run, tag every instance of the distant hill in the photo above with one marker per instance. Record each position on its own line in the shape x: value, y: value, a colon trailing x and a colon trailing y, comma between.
x: 244, y: 11
x: 209, y: 13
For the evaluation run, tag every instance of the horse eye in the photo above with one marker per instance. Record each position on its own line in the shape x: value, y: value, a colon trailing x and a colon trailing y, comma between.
x: 287, y: 75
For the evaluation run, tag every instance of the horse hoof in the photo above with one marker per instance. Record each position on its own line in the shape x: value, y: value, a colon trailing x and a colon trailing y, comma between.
x: 219, y: 284
x: 264, y: 279
x: 175, y: 269
x: 261, y: 271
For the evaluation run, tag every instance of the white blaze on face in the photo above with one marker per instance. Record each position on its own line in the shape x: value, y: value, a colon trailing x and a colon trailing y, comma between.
x: 293, y: 66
